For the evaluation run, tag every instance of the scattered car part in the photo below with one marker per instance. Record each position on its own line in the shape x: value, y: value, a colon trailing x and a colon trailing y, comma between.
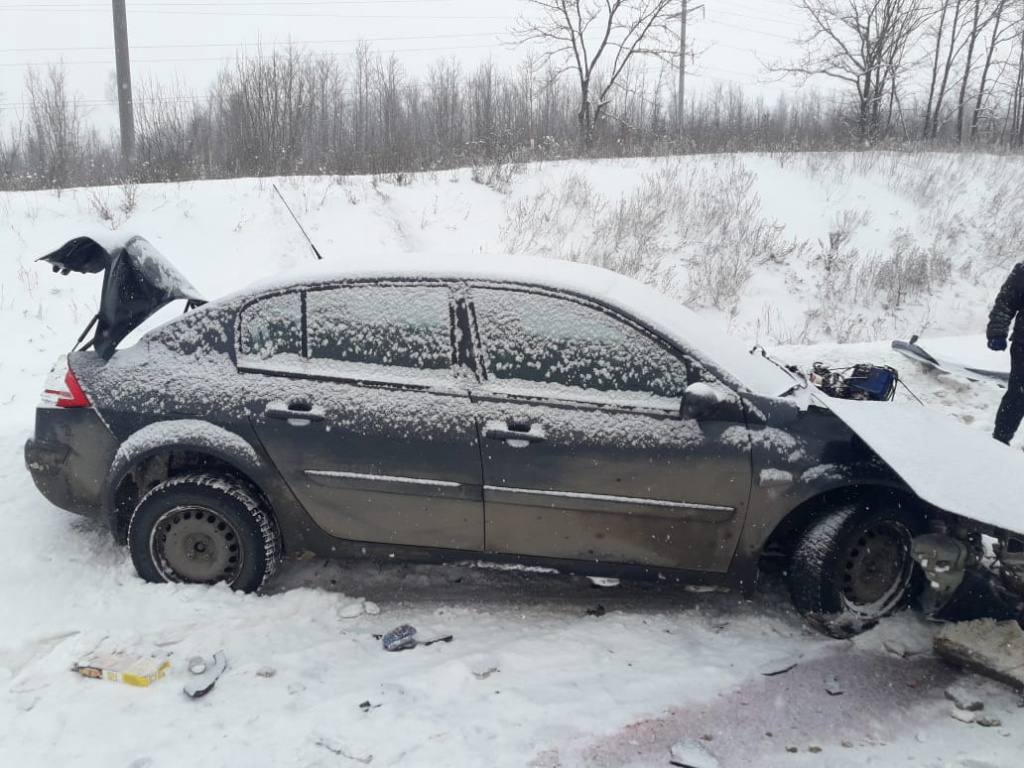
x: 991, y: 648
x: 403, y: 637
x: 917, y: 353
x: 203, y: 683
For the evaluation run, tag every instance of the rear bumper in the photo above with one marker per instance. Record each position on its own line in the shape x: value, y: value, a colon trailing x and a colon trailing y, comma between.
x: 69, y: 458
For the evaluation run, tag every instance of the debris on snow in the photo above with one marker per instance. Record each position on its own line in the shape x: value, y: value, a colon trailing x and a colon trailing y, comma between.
x: 122, y: 668
x: 399, y: 638
x: 896, y: 648
x: 988, y: 721
x: 692, y: 754
x: 832, y: 686
x: 964, y: 699
x: 403, y: 637
x: 266, y: 672
x: 598, y: 611
x: 203, y: 683
x: 350, y: 610
x: 602, y: 581
x: 780, y: 665
x: 994, y: 649
x: 332, y: 744
x: 962, y: 716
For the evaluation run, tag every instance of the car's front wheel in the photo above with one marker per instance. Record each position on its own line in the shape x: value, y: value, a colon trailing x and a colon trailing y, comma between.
x: 854, y: 566
x: 203, y: 529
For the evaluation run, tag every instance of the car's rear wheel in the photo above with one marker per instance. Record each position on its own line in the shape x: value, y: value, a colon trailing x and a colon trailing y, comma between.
x: 203, y: 529
x: 854, y: 566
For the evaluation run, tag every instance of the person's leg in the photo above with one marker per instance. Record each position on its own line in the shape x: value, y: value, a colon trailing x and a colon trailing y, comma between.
x: 1011, y: 409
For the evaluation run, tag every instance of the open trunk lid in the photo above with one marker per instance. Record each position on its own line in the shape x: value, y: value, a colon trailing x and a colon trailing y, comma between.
x: 949, y: 465
x: 137, y: 282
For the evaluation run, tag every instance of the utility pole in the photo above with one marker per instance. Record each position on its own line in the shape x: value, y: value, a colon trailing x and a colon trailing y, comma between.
x: 126, y: 109
x: 681, y: 103
x: 682, y: 66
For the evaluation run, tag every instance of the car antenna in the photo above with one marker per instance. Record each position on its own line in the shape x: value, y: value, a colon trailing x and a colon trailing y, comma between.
x: 298, y: 223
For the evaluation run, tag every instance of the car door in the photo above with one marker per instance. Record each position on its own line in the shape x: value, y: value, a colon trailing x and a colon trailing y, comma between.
x: 355, y: 394
x: 585, y: 453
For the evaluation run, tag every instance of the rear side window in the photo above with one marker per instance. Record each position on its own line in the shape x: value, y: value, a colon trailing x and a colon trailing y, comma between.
x: 537, y: 339
x: 360, y: 331
x: 395, y: 326
x: 272, y: 327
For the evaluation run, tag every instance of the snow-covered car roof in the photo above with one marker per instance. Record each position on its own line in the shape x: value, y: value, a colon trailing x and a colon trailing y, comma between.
x: 659, y: 312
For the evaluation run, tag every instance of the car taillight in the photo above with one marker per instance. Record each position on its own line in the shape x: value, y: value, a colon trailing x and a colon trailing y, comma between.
x: 65, y: 391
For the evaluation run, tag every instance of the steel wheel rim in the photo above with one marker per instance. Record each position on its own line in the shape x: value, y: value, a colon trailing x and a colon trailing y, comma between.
x: 877, y: 570
x: 197, y: 545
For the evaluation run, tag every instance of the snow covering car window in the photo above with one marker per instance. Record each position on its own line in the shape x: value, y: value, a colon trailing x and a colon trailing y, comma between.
x: 272, y: 327
x: 395, y: 326
x: 539, y: 338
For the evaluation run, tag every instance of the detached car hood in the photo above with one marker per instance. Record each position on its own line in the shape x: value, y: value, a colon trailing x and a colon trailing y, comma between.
x: 137, y: 282
x: 949, y: 465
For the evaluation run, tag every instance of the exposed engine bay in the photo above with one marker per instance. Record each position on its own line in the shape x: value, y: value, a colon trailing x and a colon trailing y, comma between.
x: 970, y: 571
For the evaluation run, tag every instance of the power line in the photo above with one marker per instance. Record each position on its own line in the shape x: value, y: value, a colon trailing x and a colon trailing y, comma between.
x: 243, y: 57
x: 211, y: 10
x: 256, y: 44
x: 227, y: 3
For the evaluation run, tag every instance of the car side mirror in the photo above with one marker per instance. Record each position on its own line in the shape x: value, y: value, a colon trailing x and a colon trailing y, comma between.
x: 704, y: 401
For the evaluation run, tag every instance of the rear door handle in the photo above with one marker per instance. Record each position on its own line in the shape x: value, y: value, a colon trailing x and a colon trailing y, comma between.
x: 500, y: 430
x: 297, y: 414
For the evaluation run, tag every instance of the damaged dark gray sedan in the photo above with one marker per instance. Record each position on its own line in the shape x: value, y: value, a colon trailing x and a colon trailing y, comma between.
x: 519, y: 410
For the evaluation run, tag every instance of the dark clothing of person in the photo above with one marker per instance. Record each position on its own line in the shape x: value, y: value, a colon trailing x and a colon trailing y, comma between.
x: 1009, y: 308
x: 1011, y: 409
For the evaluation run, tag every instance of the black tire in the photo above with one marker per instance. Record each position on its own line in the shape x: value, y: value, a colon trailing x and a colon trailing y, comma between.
x: 204, y: 529
x: 853, y: 566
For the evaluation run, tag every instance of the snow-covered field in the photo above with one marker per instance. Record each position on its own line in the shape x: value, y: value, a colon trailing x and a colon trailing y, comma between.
x: 544, y: 670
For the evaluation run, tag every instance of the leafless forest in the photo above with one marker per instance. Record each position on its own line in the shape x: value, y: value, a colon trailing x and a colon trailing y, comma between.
x: 887, y: 74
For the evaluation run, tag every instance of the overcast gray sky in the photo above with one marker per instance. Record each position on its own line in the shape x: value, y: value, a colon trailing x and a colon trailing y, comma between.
x: 191, y: 39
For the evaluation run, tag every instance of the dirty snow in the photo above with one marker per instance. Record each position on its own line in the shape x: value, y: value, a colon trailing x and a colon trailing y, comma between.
x: 544, y: 670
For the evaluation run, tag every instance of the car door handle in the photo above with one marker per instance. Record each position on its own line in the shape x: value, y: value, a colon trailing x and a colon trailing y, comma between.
x: 294, y: 413
x: 498, y: 430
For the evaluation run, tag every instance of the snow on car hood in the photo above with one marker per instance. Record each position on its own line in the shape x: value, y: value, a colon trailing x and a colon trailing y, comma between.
x: 137, y: 282
x: 954, y: 467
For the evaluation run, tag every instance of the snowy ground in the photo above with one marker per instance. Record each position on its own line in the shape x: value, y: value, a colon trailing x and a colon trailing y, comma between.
x: 533, y: 676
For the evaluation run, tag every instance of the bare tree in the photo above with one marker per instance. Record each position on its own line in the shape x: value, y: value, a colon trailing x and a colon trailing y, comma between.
x: 592, y: 37
x: 54, y: 126
x: 1002, y: 30
x: 863, y: 43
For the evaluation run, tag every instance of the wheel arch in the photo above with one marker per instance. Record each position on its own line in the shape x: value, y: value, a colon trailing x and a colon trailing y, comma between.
x: 787, y: 531
x: 168, y: 449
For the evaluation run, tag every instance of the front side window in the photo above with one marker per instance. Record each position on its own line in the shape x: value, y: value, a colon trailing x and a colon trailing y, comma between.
x: 558, y: 343
x: 394, y: 326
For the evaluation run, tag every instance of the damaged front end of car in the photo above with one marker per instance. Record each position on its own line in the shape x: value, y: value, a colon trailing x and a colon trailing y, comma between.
x: 968, y: 575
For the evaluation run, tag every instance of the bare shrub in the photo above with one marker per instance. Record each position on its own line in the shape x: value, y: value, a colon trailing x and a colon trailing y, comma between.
x: 908, y: 272
x: 129, y: 189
